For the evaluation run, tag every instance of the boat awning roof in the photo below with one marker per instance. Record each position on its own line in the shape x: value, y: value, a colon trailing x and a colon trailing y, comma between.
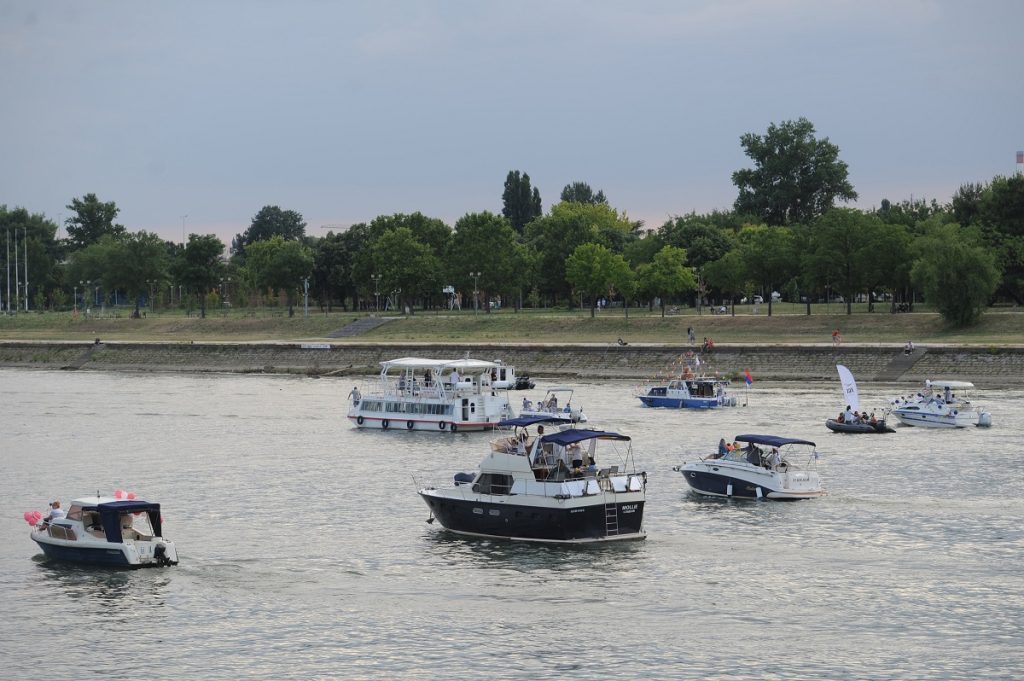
x: 426, y: 363
x: 560, y: 389
x: 129, y: 506
x: 567, y: 437
x: 521, y: 421
x: 772, y: 440
x: 952, y: 385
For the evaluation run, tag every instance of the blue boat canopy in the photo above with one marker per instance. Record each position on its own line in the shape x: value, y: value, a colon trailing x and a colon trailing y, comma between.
x: 521, y: 421
x: 772, y: 440
x: 111, y: 512
x: 568, y: 437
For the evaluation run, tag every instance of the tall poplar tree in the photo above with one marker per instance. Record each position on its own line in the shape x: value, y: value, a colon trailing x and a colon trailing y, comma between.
x: 520, y: 202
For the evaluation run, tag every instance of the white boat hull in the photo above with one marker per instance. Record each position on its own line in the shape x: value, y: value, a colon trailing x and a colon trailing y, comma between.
x: 737, y: 480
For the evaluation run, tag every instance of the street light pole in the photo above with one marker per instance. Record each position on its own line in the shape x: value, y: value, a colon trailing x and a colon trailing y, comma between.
x: 376, y: 292
x: 183, y: 229
x: 476, y: 297
x: 305, y: 294
x: 74, y: 299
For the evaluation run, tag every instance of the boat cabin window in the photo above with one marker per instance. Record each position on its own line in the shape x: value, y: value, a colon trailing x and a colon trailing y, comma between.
x: 62, y: 532
x: 74, y: 513
x: 493, y: 483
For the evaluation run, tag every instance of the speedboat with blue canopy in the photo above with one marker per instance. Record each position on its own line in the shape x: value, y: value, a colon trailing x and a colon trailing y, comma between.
x: 570, y: 485
x: 757, y: 467
x: 107, y: 531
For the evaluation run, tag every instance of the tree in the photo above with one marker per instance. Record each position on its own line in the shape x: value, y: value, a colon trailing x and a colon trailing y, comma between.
x: 92, y: 220
x: 486, y: 243
x: 18, y: 229
x: 595, y: 270
x: 407, y: 267
x: 841, y: 248
x: 956, y: 275
x: 580, y: 192
x: 200, y: 267
x: 334, y: 263
x: 278, y: 264
x: 667, y: 275
x: 133, y: 261
x: 728, y: 274
x: 771, y: 257
x: 556, y: 235
x: 520, y: 203
x: 1001, y: 217
x: 703, y: 240
x: 432, y: 232
x: 270, y: 221
x: 796, y: 177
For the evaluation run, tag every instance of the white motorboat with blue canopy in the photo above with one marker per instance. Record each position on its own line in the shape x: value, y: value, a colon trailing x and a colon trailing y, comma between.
x: 108, y: 531
x: 554, y: 487
x: 417, y: 393
x: 938, y: 406
x: 557, y: 403
x: 768, y: 467
x: 687, y: 388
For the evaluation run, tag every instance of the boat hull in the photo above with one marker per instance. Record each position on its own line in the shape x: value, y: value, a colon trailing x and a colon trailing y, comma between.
x: 856, y: 428
x: 108, y: 555
x: 567, y: 523
x: 928, y: 420
x: 720, y: 481
x: 434, y: 426
x: 679, y: 402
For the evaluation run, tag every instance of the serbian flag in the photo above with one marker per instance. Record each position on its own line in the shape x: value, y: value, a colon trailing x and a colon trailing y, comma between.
x: 747, y: 377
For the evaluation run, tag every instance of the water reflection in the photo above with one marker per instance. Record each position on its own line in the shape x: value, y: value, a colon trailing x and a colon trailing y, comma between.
x: 114, y: 588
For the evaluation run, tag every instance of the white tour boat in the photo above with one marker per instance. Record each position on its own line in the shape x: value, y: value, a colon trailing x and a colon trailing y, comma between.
x: 939, y: 407
x: 107, y: 531
x: 415, y: 393
x: 552, y: 405
x: 547, y: 487
x: 769, y: 467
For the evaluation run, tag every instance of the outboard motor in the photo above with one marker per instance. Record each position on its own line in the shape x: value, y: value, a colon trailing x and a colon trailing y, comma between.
x: 160, y: 554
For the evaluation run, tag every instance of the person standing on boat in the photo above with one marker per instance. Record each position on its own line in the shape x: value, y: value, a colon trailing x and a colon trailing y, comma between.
x: 848, y: 416
x: 775, y: 459
x: 355, y: 395
x: 455, y: 377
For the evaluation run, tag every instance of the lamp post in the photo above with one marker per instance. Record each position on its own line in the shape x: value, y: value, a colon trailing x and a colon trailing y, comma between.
x: 183, y: 217
x: 305, y: 296
x: 152, y: 295
x: 376, y: 292
x: 74, y: 299
x: 476, y: 299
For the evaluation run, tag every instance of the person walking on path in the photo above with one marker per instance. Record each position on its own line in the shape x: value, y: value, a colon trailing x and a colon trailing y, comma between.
x: 691, y: 335
x: 837, y: 338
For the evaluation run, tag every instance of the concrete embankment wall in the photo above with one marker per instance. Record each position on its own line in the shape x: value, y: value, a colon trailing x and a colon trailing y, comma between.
x: 992, y: 366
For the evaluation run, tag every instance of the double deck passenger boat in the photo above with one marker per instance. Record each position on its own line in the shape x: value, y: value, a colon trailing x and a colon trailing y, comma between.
x: 556, y: 487
x: 439, y: 395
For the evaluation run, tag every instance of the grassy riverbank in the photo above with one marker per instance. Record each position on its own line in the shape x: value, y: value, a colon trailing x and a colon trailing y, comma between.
x: 543, y: 326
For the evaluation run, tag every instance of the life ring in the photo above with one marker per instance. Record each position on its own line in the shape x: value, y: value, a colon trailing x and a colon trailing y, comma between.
x: 384, y: 424
x: 410, y: 424
x: 455, y: 427
x: 441, y: 425
x: 359, y: 420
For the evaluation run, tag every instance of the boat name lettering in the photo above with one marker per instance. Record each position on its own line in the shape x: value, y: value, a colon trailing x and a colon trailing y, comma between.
x: 628, y: 508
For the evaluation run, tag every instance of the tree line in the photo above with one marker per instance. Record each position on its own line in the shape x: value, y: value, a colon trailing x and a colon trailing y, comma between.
x: 784, y: 235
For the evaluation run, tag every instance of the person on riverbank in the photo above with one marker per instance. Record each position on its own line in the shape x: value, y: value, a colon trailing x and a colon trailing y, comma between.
x: 837, y: 338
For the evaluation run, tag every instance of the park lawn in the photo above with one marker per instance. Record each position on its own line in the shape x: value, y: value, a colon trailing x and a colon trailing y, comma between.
x: 790, y: 324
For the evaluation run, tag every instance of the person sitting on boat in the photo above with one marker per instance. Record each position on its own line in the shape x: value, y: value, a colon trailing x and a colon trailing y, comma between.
x: 775, y: 459
x: 848, y: 416
x: 56, y: 512
x: 873, y: 421
x: 723, y: 449
x: 527, y: 405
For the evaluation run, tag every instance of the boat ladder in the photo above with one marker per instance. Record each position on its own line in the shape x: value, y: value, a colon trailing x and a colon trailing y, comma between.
x: 611, y: 519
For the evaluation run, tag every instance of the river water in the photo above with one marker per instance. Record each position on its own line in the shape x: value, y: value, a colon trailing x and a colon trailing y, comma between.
x: 304, y: 551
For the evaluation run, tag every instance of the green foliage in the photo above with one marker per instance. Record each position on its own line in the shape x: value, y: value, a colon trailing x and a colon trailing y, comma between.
x: 334, y: 263
x: 270, y: 221
x: 278, y: 264
x: 408, y: 268
x: 1001, y: 217
x: 200, y: 267
x: 667, y: 275
x: 728, y: 274
x: 486, y: 243
x: 92, y: 220
x: 19, y: 228
x: 580, y: 192
x: 770, y: 254
x: 796, y: 177
x: 703, y: 240
x: 520, y: 203
x: 957, y: 276
x: 596, y: 271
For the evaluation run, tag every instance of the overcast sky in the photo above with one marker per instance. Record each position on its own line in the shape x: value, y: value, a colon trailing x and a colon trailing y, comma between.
x: 344, y: 111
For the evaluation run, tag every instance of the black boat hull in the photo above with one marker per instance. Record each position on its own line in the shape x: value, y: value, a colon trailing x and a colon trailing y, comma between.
x: 563, y: 523
x: 858, y: 428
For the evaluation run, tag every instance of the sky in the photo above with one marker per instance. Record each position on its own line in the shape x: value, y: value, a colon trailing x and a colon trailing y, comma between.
x: 198, y: 114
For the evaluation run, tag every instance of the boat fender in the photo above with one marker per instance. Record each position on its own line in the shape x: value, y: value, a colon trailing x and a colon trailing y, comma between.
x: 728, y: 490
x: 759, y: 495
x: 359, y: 420
x: 455, y: 427
x: 410, y: 424
x: 384, y: 424
x: 441, y: 425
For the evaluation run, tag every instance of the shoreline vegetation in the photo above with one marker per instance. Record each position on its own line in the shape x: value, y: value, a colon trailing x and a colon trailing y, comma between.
x: 788, y: 325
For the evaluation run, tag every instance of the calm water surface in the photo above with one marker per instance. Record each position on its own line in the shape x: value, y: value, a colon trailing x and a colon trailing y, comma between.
x: 304, y: 551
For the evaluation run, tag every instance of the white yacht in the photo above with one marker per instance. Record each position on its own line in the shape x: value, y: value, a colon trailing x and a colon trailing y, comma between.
x: 439, y: 395
x: 769, y: 467
x: 557, y: 487
x: 938, y: 406
x: 557, y: 403
x: 107, y: 531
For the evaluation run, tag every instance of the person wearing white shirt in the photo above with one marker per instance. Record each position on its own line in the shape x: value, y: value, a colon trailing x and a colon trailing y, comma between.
x: 56, y: 512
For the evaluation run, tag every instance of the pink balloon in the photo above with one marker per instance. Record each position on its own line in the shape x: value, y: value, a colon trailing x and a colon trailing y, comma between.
x: 28, y: 516
x: 36, y: 515
x: 131, y: 495
x: 118, y: 493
